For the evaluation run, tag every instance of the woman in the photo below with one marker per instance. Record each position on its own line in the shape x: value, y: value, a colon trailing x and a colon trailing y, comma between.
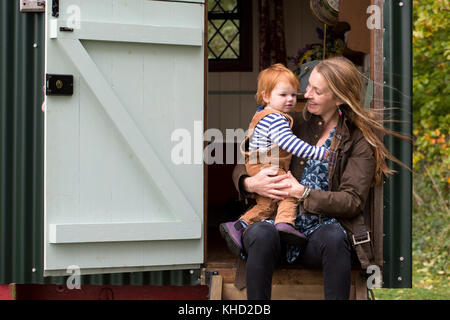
x: 332, y: 197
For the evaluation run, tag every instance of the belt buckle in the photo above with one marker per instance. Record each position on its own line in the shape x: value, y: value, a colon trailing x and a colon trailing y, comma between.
x: 364, y: 240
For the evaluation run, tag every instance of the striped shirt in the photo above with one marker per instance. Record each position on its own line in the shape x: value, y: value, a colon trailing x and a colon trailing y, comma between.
x: 274, y: 129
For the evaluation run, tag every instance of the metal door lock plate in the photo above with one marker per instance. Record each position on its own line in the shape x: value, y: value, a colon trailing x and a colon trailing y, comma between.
x: 59, y: 84
x: 32, y: 5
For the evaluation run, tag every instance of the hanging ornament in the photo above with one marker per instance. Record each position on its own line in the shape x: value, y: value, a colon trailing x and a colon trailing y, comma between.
x: 327, y: 11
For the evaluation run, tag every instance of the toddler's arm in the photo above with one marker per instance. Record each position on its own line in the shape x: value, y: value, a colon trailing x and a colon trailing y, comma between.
x: 281, y: 134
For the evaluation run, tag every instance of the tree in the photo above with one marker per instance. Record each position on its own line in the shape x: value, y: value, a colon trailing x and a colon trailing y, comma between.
x: 431, y: 102
x: 431, y: 78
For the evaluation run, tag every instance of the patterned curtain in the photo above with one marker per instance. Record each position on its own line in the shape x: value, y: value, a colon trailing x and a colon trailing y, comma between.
x: 272, y: 47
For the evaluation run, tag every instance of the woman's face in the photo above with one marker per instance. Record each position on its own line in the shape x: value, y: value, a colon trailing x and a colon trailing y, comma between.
x: 321, y: 100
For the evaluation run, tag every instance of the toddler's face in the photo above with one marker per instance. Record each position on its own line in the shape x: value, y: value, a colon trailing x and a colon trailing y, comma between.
x: 282, y: 98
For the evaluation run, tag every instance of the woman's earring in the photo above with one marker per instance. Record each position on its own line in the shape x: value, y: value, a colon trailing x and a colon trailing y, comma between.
x: 339, y: 111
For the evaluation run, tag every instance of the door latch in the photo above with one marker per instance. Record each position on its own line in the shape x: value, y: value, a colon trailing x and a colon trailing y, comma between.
x: 66, y: 29
x: 59, y: 84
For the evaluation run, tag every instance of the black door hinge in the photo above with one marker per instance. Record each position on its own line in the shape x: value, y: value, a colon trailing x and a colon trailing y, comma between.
x: 208, y: 276
x: 55, y: 8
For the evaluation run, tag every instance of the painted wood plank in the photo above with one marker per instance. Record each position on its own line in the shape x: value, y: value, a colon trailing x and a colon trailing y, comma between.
x: 248, y: 109
x: 125, y: 255
x: 229, y: 113
x: 120, y: 32
x: 85, y: 271
x: 376, y: 67
x: 213, y: 111
x: 127, y: 127
x: 119, y: 232
x: 193, y: 1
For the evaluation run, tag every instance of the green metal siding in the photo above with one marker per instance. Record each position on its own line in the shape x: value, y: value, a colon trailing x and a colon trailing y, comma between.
x: 21, y: 82
x: 397, y: 226
x: 21, y: 160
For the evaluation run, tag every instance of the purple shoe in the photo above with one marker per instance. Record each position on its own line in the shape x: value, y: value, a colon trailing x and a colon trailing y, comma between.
x: 232, y: 233
x: 290, y: 235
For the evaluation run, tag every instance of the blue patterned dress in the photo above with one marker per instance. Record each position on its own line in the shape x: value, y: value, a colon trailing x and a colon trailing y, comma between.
x: 315, y: 176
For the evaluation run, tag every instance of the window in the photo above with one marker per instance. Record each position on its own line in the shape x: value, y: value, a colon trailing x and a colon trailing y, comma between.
x: 229, y: 35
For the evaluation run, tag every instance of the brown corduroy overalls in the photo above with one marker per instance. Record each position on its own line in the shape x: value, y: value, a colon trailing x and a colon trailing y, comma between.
x: 255, y: 161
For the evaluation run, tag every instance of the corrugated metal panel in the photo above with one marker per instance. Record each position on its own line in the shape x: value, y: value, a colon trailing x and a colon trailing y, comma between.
x: 21, y: 160
x: 21, y: 142
x: 397, y: 226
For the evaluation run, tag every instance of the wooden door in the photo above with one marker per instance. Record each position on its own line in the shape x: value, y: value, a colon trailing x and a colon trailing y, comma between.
x: 115, y: 201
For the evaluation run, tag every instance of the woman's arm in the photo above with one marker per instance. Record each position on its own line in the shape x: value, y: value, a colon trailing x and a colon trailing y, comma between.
x: 281, y: 134
x: 355, y: 182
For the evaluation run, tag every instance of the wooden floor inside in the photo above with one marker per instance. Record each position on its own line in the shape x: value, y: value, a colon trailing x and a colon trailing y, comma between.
x: 289, y: 282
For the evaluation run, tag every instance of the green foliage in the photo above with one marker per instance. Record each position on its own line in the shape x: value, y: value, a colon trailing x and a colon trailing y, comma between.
x: 431, y: 51
x: 431, y: 76
x: 431, y: 101
x: 431, y: 235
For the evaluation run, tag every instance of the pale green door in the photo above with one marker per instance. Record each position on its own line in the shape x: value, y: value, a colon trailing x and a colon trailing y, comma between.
x: 114, y: 199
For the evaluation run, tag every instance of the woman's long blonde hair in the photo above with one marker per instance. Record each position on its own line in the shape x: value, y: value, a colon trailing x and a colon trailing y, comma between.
x: 346, y: 84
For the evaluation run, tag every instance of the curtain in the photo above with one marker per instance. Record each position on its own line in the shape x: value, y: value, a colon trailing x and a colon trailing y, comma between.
x: 272, y: 47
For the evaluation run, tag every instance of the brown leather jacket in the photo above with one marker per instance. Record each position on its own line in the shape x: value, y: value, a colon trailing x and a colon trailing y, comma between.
x: 351, y: 175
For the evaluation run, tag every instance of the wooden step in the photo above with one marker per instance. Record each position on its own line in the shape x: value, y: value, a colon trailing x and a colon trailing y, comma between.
x: 287, y: 284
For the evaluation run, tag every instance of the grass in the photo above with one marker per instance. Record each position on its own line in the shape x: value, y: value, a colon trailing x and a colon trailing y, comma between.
x: 412, y: 294
x: 431, y: 242
x: 426, y: 286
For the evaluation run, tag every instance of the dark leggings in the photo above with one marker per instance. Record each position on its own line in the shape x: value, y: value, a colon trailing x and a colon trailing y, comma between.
x: 327, y: 248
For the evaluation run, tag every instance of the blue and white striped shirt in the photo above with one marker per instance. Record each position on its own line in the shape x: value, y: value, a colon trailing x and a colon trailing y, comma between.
x: 274, y: 129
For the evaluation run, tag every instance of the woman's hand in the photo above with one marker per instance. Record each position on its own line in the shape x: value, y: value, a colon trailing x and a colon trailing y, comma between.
x: 267, y: 184
x: 295, y: 189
